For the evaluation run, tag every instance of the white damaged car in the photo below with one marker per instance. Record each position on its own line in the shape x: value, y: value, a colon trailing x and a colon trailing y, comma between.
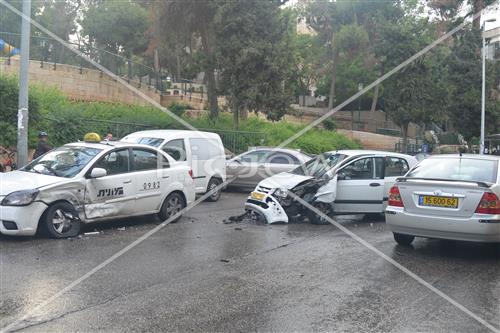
x: 336, y: 182
x: 89, y: 182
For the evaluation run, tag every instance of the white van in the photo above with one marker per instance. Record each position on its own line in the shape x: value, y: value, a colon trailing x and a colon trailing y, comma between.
x: 202, y: 151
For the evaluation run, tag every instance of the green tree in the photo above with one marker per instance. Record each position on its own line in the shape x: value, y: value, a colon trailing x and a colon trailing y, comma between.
x: 417, y: 93
x: 464, y: 80
x: 251, y: 50
x: 116, y: 26
x: 176, y: 20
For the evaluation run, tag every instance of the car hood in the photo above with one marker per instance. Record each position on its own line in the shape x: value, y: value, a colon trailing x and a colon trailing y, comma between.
x: 20, y: 180
x: 284, y: 180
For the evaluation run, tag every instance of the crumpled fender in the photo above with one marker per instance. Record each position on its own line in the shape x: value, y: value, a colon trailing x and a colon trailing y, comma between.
x: 328, y: 192
x: 72, y: 192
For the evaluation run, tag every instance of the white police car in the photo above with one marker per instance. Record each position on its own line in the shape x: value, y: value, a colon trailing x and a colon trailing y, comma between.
x: 87, y: 182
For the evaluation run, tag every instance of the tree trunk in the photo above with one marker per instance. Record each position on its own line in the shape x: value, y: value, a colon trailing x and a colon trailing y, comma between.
x: 331, y: 100
x: 477, y: 6
x: 210, y: 75
x: 404, y: 133
x: 244, y: 113
x: 236, y: 115
x: 375, y: 98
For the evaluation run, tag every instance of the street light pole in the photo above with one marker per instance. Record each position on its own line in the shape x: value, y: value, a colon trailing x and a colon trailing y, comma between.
x: 483, y: 87
x: 22, y: 112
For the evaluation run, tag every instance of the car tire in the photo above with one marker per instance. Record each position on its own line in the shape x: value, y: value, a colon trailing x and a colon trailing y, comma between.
x: 61, y: 220
x: 213, y: 183
x: 172, y: 205
x: 404, y: 240
x: 315, y: 218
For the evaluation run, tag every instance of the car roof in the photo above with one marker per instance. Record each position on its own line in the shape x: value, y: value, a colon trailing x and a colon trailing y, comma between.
x: 286, y: 150
x: 169, y: 133
x: 473, y: 156
x: 107, y: 145
x: 354, y: 152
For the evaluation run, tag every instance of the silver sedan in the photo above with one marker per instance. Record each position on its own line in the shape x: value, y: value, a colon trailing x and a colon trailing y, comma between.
x: 249, y: 168
x: 447, y: 196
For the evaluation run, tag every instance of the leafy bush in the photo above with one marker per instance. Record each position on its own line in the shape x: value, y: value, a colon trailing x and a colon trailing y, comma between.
x: 9, y: 97
x: 178, y: 108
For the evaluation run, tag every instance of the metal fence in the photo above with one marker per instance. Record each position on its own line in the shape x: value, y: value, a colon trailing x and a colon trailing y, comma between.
x: 50, y: 52
x: 63, y: 132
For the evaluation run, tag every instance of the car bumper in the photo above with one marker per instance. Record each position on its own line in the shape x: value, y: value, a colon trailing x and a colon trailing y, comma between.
x: 269, y: 208
x: 467, y: 229
x: 21, y: 221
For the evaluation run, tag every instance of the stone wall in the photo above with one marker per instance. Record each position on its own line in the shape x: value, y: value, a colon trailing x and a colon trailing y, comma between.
x: 87, y: 85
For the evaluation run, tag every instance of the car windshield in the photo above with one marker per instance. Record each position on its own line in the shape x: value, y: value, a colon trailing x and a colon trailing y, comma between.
x: 153, y: 142
x: 319, y: 165
x: 63, y: 162
x: 459, y: 168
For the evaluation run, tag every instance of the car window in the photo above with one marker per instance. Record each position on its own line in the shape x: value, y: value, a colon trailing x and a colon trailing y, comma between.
x: 176, y: 149
x: 282, y: 158
x: 395, y: 167
x: 360, y: 169
x: 256, y: 156
x: 115, y: 162
x: 205, y: 149
x: 144, y: 159
x: 154, y: 142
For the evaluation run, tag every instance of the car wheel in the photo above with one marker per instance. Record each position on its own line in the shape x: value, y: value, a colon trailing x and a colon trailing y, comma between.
x: 212, y: 184
x: 61, y: 220
x: 172, y: 205
x: 404, y: 240
x: 315, y: 218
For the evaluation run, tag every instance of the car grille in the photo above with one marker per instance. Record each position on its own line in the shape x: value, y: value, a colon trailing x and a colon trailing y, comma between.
x: 263, y: 189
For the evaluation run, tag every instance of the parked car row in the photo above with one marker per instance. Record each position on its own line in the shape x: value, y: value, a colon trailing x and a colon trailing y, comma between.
x: 161, y: 171
x: 444, y: 196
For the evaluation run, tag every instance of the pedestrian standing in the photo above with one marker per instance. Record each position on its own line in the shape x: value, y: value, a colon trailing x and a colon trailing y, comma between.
x: 42, y: 146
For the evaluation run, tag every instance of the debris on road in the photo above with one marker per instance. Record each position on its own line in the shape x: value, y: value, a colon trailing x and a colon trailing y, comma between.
x: 224, y: 260
x: 90, y: 233
x: 121, y: 229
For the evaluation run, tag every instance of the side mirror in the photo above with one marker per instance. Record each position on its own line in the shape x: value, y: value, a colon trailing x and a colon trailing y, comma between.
x: 341, y: 176
x: 98, y: 173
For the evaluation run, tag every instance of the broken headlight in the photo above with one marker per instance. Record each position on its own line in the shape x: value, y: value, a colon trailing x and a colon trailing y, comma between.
x: 20, y: 198
x: 281, y: 193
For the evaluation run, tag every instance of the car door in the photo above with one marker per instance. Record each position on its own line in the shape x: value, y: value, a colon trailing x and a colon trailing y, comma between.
x: 152, y: 175
x: 395, y: 167
x: 360, y: 186
x: 113, y: 194
x: 246, y: 169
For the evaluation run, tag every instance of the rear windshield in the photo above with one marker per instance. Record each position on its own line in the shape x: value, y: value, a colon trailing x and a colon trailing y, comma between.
x: 468, y: 169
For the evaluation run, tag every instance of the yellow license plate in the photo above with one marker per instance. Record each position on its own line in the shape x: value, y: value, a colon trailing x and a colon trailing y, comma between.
x: 257, y: 196
x: 435, y: 201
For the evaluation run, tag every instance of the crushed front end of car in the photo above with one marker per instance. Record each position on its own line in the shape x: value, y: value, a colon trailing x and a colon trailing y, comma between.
x: 276, y: 205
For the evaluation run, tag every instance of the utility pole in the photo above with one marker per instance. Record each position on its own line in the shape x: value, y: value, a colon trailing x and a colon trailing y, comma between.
x: 22, y: 112
x: 483, y: 87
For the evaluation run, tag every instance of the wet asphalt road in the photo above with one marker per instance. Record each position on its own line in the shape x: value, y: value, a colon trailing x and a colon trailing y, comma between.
x: 203, y: 275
